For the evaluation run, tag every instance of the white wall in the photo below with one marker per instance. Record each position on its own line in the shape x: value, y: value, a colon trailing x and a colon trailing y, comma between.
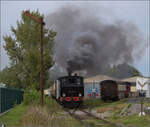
x: 148, y: 91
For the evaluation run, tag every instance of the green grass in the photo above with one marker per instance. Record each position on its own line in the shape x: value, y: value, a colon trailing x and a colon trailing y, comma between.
x: 96, y: 103
x: 134, y: 120
x: 93, y: 102
x: 96, y: 123
x: 147, y: 104
x: 13, y: 117
x: 53, y: 115
x: 100, y: 103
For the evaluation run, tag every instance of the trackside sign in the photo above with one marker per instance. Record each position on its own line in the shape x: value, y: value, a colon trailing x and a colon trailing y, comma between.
x: 142, y: 83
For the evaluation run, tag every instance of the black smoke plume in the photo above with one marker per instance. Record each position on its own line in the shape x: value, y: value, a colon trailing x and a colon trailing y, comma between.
x: 86, y: 42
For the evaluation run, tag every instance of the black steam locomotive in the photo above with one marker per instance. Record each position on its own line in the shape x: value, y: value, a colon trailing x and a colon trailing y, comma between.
x: 69, y: 90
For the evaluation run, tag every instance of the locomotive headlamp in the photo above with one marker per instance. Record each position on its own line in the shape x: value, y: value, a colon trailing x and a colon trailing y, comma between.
x: 80, y: 94
x: 63, y: 94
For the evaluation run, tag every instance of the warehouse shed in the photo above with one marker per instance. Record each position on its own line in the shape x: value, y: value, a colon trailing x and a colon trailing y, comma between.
x: 135, y: 87
x: 92, y: 85
x: 133, y: 91
x: 131, y: 79
x: 148, y: 92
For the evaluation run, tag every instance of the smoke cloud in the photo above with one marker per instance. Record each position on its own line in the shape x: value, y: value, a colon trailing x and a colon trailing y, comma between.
x: 86, y: 42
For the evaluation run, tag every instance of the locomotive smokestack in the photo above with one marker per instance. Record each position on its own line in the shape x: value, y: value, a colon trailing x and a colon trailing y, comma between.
x: 69, y: 68
x: 69, y: 72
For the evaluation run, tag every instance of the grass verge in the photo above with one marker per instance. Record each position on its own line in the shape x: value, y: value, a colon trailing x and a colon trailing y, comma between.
x: 133, y: 120
x: 13, y: 117
x: 53, y: 115
x: 33, y: 115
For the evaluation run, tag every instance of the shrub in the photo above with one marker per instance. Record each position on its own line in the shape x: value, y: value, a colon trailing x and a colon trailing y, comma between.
x: 31, y: 97
x: 51, y: 104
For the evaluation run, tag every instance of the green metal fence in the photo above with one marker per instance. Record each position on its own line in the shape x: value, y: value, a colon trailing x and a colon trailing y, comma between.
x: 9, y: 97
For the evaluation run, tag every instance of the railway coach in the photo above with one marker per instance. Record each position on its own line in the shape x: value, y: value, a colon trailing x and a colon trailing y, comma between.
x: 114, y: 90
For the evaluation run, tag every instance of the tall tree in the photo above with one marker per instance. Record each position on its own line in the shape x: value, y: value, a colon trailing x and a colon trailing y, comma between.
x: 23, y: 49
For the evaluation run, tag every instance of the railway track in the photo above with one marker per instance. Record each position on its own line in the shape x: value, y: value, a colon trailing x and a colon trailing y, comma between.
x: 83, y: 109
x: 90, y: 115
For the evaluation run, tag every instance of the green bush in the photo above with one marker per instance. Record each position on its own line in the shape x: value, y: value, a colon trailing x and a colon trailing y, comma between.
x: 31, y: 97
x: 51, y: 104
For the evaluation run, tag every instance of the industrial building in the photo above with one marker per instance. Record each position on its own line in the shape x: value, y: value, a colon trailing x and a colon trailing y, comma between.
x: 92, y: 86
x: 133, y: 91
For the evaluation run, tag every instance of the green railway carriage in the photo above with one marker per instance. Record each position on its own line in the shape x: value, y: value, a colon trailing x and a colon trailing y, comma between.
x: 9, y: 97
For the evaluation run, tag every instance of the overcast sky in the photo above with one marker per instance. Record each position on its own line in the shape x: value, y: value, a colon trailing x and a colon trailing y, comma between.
x: 134, y: 11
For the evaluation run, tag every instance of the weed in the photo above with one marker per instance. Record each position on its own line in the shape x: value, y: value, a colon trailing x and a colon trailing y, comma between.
x: 31, y: 97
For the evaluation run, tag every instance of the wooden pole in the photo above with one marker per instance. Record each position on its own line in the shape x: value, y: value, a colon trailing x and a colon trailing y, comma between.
x: 39, y: 20
x: 41, y: 61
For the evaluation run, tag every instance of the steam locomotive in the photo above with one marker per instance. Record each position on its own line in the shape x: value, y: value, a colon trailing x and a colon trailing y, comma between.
x: 69, y: 90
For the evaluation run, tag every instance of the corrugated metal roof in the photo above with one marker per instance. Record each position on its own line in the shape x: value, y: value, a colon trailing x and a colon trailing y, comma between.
x: 131, y: 79
x: 99, y: 78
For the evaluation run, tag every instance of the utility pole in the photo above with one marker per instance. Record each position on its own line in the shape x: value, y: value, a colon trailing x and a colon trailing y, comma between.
x: 40, y: 21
